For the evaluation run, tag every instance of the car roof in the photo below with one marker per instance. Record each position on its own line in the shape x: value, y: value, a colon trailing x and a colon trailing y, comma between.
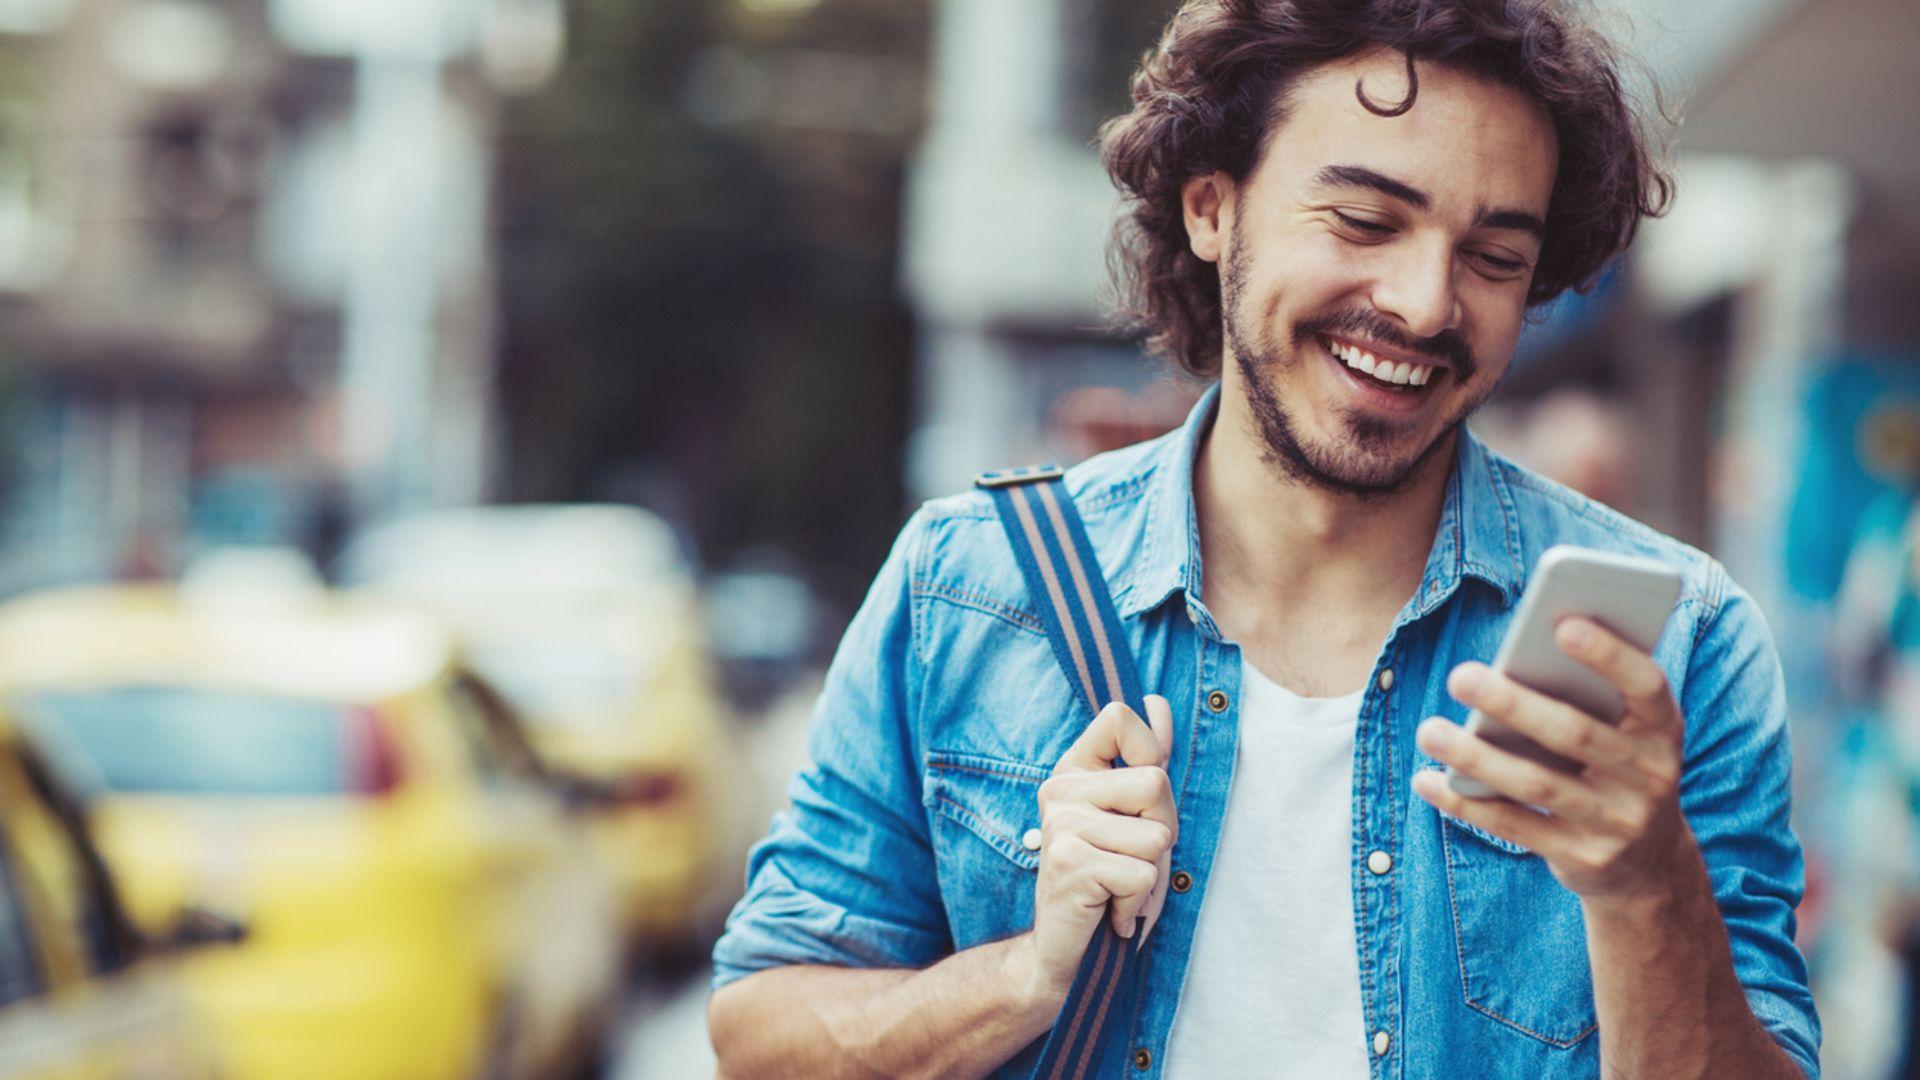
x: 581, y: 546
x: 317, y: 645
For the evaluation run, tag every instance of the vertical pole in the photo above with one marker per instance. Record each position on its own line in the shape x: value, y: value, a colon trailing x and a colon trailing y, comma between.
x: 391, y: 304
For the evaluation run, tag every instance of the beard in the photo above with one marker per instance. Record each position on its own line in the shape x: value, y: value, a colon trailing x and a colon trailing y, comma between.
x: 1375, y: 458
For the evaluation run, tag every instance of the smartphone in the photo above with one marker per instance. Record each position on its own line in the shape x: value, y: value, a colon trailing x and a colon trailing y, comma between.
x: 1630, y: 596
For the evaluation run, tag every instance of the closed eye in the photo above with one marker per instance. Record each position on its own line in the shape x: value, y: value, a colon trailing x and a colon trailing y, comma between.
x: 1500, y: 265
x: 1362, y: 225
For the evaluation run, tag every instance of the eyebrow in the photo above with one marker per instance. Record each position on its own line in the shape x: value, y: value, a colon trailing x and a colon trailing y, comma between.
x: 1511, y: 219
x: 1361, y: 177
x: 1483, y: 218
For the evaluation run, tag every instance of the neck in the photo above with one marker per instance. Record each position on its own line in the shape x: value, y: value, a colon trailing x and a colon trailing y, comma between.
x: 1271, y: 541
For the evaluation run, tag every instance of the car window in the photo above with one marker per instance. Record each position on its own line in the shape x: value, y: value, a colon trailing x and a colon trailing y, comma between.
x: 197, y: 741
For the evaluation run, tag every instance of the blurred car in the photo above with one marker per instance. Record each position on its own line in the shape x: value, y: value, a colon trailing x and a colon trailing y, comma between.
x: 420, y: 900
x: 766, y: 625
x: 82, y: 993
x: 587, y: 620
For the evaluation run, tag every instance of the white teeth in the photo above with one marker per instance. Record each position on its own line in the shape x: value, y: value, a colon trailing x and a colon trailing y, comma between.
x: 1399, y: 374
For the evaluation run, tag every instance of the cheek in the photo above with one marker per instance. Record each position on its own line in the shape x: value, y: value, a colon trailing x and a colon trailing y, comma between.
x: 1495, y: 321
x: 1309, y: 278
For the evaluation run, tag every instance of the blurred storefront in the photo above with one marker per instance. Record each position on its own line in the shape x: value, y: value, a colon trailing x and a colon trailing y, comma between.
x: 247, y: 275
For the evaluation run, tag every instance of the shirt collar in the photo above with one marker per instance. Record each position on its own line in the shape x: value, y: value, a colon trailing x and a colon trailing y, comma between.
x: 1478, y: 535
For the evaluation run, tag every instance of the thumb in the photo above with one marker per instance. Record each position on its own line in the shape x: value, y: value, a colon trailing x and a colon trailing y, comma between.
x: 1160, y: 720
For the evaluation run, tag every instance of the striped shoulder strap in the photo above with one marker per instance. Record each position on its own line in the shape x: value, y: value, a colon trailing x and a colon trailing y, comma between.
x: 1076, y: 607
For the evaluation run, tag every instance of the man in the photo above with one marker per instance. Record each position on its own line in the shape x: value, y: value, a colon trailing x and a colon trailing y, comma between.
x: 1344, y: 210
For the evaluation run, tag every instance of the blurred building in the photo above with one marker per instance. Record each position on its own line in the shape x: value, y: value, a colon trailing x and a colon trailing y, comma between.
x: 1008, y: 218
x: 245, y: 269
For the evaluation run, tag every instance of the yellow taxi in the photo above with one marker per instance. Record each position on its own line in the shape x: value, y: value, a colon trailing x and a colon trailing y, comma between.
x: 587, y: 619
x: 419, y: 900
x: 83, y: 996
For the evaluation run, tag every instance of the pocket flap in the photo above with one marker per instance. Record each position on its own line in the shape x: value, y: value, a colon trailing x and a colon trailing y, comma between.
x: 996, y: 800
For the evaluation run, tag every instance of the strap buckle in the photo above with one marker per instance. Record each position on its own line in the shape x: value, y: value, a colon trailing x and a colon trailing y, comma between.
x: 1026, y: 474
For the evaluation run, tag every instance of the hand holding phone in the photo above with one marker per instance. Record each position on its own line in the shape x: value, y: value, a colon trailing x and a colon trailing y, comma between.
x: 1630, y: 596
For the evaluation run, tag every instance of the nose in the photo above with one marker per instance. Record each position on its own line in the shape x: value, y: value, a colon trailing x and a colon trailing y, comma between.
x: 1418, y: 290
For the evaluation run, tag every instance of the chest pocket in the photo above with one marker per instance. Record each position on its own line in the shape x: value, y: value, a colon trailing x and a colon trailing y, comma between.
x: 1521, y: 938
x: 979, y: 811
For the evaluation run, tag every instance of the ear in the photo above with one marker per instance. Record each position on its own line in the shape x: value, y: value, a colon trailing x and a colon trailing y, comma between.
x: 1206, y: 202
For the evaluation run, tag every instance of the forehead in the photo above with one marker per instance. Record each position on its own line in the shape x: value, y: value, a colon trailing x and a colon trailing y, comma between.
x: 1467, y: 141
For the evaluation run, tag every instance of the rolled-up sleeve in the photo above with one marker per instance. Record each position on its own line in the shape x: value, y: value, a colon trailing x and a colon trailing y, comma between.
x: 846, y: 875
x: 1736, y: 793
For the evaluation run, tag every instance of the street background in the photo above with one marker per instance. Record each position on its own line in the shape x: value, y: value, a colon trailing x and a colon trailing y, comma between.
x: 605, y: 344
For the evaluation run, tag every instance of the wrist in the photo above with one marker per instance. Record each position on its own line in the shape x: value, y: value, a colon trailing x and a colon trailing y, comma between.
x: 1031, y: 990
x: 1675, y: 885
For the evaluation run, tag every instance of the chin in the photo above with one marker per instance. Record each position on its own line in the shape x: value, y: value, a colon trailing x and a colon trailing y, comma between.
x: 1355, y: 462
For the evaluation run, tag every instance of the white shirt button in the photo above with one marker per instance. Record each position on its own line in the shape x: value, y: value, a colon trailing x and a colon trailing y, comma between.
x: 1382, y: 1042
x: 1386, y: 679
x: 1031, y: 840
x: 1379, y: 862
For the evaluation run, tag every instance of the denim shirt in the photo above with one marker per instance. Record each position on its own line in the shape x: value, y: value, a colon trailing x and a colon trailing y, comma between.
x: 944, y: 709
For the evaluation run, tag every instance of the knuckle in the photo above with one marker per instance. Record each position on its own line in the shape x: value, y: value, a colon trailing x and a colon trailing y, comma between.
x: 1141, y: 877
x: 1050, y: 790
x: 1056, y: 820
x: 1162, y: 837
x: 1161, y: 786
x: 1595, y: 858
x: 1622, y: 819
x: 1583, y: 735
x: 1639, y: 817
x: 1534, y: 788
x: 1649, y: 684
x: 1664, y: 769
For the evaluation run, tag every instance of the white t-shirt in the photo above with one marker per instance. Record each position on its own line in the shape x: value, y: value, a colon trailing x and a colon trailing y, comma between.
x: 1273, y: 984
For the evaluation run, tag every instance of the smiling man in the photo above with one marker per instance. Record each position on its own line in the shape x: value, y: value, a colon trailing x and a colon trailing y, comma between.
x: 1343, y: 210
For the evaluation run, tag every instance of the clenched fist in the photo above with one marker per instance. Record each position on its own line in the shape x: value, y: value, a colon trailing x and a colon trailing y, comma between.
x: 1107, y: 826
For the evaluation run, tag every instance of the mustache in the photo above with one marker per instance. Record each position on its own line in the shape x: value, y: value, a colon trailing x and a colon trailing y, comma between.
x: 1447, y: 345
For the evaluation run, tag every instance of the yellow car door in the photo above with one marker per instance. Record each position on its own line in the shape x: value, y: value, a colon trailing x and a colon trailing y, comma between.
x: 79, y: 999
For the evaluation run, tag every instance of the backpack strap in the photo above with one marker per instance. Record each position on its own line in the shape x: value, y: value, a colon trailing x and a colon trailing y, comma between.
x: 1064, y: 578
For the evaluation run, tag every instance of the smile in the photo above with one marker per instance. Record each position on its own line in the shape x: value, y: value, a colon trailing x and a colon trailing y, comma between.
x: 1384, y: 371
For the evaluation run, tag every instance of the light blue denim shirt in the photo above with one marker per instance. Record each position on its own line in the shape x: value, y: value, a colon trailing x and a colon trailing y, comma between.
x: 944, y: 709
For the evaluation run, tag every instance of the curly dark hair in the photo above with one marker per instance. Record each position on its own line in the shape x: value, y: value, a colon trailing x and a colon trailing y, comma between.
x: 1208, y: 97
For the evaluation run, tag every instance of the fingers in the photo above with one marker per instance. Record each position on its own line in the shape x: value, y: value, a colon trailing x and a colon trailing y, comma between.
x: 1139, y: 838
x: 1157, y: 900
x: 1117, y: 733
x: 1142, y: 791
x: 1160, y: 721
x: 1548, y: 721
x: 1109, y: 832
x: 1638, y: 678
x: 1515, y: 777
x: 1510, y: 821
x: 1095, y: 878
